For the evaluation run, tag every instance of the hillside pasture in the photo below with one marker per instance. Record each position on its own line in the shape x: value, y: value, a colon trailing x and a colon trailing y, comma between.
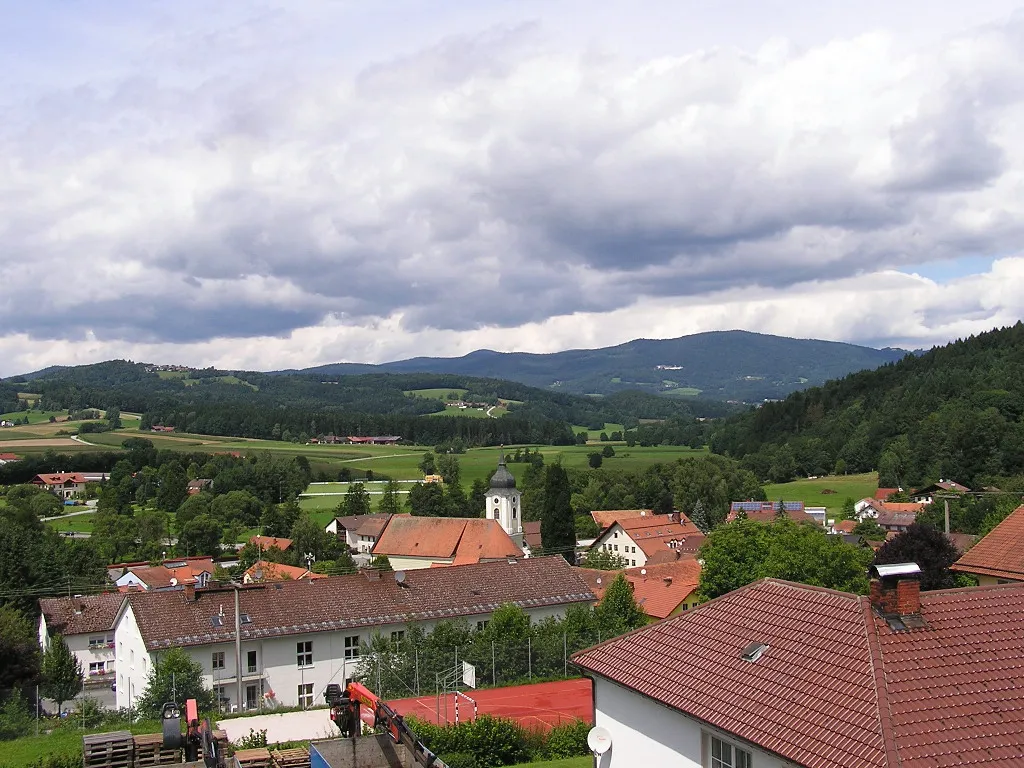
x: 594, y: 435
x: 437, y: 393
x: 810, y: 492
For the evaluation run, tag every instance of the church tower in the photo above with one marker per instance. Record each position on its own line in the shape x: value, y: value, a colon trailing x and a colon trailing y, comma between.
x: 503, y: 502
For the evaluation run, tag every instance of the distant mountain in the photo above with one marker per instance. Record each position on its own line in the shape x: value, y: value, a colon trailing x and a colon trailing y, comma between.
x: 724, y: 365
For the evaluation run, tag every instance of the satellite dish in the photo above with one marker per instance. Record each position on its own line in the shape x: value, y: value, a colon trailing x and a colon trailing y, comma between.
x: 258, y: 574
x: 400, y: 577
x: 174, y: 582
x: 643, y: 571
x: 599, y: 740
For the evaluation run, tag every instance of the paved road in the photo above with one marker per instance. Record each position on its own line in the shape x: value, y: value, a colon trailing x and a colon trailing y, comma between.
x: 87, y: 511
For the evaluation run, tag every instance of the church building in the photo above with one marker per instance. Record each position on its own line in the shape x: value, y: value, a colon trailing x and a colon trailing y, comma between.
x: 503, y: 503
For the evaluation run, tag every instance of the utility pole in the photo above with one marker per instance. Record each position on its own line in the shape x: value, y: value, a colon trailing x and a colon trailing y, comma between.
x: 946, y: 505
x: 238, y: 651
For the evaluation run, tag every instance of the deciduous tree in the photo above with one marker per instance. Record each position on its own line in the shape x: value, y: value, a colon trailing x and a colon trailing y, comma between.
x: 61, y: 672
x: 174, y: 675
x: 927, y: 547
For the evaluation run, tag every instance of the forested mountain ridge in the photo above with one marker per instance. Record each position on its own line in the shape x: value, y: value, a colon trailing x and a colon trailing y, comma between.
x: 725, y: 365
x: 252, y: 404
x: 953, y: 412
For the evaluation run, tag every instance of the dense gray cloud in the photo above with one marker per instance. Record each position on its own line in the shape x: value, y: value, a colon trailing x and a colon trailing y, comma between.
x: 495, y: 180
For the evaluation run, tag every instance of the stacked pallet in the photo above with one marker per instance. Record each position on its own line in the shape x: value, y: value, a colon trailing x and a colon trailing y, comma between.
x: 252, y: 758
x: 150, y: 751
x: 108, y: 750
x: 291, y: 758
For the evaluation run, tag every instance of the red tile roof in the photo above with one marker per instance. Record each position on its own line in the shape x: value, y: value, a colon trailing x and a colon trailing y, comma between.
x: 266, y: 542
x: 81, y: 615
x: 277, y: 572
x: 463, y: 539
x: 654, y: 534
x: 884, y: 493
x: 531, y: 534
x: 837, y: 687
x: 658, y: 589
x: 60, y: 478
x: 8, y: 457
x: 169, y: 619
x: 1000, y: 553
x: 168, y: 574
x: 605, y: 517
x: 846, y: 526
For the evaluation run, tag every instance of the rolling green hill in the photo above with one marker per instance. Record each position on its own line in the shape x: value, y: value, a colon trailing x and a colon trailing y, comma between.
x: 724, y: 365
x: 954, y: 412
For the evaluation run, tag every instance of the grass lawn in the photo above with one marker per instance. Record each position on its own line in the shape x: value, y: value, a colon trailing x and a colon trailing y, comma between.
x: 438, y: 393
x: 62, y: 741
x: 683, y: 391
x: 586, y: 761
x: 810, y: 491
x: 595, y: 434
x: 78, y: 523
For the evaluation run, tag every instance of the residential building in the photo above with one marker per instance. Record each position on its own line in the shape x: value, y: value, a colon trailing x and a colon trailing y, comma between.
x: 375, y: 440
x: 7, y: 458
x: 998, y: 557
x: 421, y: 542
x: 269, y: 542
x: 927, y: 494
x: 778, y: 674
x: 605, y: 517
x: 766, y: 511
x: 86, y: 623
x: 262, y: 571
x: 503, y: 503
x: 661, y: 590
x: 298, y: 636
x: 639, y: 539
x: 198, y: 485
x: 531, y: 537
x: 360, y: 532
x: 168, y: 575
x: 66, y: 485
x: 892, y: 516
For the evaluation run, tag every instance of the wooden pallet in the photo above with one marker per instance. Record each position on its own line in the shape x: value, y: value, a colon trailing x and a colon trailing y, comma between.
x: 150, y: 751
x: 252, y: 758
x: 291, y: 758
x: 108, y: 750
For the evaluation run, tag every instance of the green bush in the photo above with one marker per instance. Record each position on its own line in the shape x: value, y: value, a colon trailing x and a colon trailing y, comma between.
x: 15, y: 718
x: 567, y: 740
x: 495, y: 741
x: 460, y: 760
x: 252, y: 740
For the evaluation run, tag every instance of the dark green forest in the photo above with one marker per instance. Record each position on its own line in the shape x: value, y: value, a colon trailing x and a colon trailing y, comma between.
x: 954, y: 412
x: 249, y: 404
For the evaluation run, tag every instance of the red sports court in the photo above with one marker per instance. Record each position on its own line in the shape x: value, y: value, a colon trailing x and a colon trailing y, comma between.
x: 539, y: 706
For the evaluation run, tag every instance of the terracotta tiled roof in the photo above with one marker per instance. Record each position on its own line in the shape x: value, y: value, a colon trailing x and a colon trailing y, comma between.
x: 277, y: 572
x: 884, y: 493
x: 910, y: 507
x: 8, y: 457
x: 168, y: 574
x: 845, y: 526
x: 169, y: 619
x: 605, y: 517
x: 81, y: 615
x: 687, y: 551
x: 597, y: 579
x: 1000, y: 553
x: 962, y: 541
x: 463, y: 539
x: 266, y: 542
x: 531, y: 534
x: 60, y: 478
x: 837, y: 687
x: 661, y: 589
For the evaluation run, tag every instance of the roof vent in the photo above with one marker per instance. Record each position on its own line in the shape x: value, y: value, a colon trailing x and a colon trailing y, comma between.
x: 754, y: 651
x: 217, y: 621
x: 244, y: 618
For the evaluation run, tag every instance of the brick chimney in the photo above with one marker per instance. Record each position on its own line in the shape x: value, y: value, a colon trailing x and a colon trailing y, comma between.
x: 190, y: 592
x: 896, y: 590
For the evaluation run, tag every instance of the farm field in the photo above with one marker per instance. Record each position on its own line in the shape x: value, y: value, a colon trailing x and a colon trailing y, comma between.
x: 810, y: 491
x: 437, y: 393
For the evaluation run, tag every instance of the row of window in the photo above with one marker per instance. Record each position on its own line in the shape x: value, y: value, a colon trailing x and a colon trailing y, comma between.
x: 615, y: 548
x: 303, y: 653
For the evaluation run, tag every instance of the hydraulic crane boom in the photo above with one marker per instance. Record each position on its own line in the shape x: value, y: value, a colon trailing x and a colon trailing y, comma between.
x: 345, y: 713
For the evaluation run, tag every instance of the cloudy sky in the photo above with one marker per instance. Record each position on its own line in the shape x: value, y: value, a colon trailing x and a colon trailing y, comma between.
x: 263, y: 185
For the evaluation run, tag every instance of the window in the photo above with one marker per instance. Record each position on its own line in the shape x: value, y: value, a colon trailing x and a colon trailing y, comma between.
x: 633, y: 562
x: 250, y: 662
x: 306, y: 695
x: 513, y: 513
x: 101, y: 641
x: 398, y: 636
x: 482, y: 625
x: 352, y: 647
x: 495, y: 513
x: 97, y: 668
x: 252, y: 696
x: 616, y: 547
x: 725, y: 755
x: 221, y: 694
x: 304, y: 653
x: 218, y: 660
x: 615, y: 535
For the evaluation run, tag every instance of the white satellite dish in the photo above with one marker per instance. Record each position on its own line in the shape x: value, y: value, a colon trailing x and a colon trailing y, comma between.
x: 643, y: 571
x: 400, y: 577
x: 599, y: 740
x: 174, y: 582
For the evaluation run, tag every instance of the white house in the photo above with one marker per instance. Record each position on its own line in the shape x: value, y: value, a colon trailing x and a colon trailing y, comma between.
x: 66, y: 485
x: 656, y: 538
x: 298, y: 636
x: 359, y: 531
x: 87, y: 624
x: 781, y: 674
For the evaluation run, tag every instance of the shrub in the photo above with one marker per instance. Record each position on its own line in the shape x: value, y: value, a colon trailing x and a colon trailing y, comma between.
x: 15, y: 717
x: 252, y: 740
x: 460, y: 760
x: 568, y: 740
x: 494, y: 741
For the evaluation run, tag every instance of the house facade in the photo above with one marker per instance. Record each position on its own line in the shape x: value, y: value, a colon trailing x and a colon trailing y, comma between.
x: 86, y: 622
x: 298, y: 636
x: 639, y: 540
x: 66, y: 485
x: 784, y: 674
x: 170, y: 574
x: 360, y: 532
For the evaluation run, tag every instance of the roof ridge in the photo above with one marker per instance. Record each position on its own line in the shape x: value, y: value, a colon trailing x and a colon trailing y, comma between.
x: 876, y: 660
